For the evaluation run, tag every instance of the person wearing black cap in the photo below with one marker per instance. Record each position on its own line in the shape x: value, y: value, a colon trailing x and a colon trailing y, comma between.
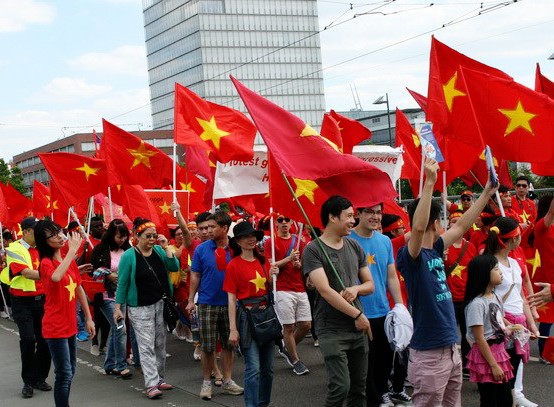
x: 247, y: 279
x: 27, y: 297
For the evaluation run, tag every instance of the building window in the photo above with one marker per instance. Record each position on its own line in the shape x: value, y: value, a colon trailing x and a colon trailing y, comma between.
x: 376, y: 120
x: 87, y: 146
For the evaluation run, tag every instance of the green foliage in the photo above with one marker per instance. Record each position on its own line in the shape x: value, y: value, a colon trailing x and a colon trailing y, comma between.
x: 12, y: 176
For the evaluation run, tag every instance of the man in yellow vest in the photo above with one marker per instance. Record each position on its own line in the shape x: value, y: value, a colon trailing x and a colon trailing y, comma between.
x: 27, y: 297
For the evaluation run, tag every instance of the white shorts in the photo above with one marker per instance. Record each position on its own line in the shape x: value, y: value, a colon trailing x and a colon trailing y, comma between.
x: 292, y: 307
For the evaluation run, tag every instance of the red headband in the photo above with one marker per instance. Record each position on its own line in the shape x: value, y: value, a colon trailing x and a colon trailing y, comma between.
x: 509, y: 235
x: 456, y: 215
x: 144, y: 226
x: 396, y: 225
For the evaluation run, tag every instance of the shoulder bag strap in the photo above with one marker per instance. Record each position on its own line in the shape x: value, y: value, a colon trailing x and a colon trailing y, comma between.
x: 460, y: 257
x: 152, y: 270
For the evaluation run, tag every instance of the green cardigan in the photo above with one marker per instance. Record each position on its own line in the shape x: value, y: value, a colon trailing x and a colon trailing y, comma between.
x: 126, y: 274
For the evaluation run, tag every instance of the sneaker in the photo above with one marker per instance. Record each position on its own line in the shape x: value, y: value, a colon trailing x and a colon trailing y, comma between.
x: 82, y: 336
x: 523, y: 402
x: 300, y: 368
x: 153, y: 392
x: 197, y: 355
x: 103, y: 350
x: 386, y: 401
x: 316, y: 343
x: 285, y: 354
x: 544, y: 361
x: 162, y: 385
x: 400, y: 398
x: 42, y: 386
x: 232, y: 388
x: 27, y: 391
x: 206, y: 391
x: 4, y: 314
x: 94, y: 350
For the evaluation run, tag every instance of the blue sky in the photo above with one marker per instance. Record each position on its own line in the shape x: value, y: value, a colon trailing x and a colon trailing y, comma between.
x: 66, y: 64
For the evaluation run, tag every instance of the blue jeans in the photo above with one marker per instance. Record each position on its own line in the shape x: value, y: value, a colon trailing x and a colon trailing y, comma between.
x: 80, y: 318
x: 64, y: 356
x: 258, y: 374
x: 117, y: 340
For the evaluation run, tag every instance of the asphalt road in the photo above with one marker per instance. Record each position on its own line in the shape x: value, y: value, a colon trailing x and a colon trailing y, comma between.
x: 91, y: 387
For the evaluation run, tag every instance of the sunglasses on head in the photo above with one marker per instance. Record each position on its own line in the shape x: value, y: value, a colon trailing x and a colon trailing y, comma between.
x: 281, y: 220
x: 521, y: 185
x: 151, y: 236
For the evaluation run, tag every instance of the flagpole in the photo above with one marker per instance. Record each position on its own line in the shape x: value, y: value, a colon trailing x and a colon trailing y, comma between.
x: 500, y: 206
x: 1, y: 236
x: 272, y: 235
x: 399, y: 189
x: 89, y: 213
x: 300, y: 229
x: 320, y: 243
x: 2, y: 291
x: 110, y: 202
x: 421, y: 172
x: 476, y: 179
x: 444, y: 200
x: 76, y: 218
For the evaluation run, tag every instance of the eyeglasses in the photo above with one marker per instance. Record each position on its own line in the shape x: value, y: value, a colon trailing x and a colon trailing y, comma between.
x: 466, y: 199
x: 151, y: 236
x: 281, y: 220
x: 371, y: 212
x: 521, y: 185
x: 54, y: 234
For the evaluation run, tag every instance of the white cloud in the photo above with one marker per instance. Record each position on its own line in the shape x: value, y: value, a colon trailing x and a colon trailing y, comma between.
x: 124, y: 60
x: 68, y: 90
x: 17, y: 15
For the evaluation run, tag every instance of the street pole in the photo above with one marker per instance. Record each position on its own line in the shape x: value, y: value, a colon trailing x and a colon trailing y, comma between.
x: 388, y: 120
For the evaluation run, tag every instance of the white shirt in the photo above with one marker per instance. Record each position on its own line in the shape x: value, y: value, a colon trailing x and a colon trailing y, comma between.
x: 514, y: 303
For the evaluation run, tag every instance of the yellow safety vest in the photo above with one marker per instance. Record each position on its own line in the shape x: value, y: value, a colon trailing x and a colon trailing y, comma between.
x: 17, y: 253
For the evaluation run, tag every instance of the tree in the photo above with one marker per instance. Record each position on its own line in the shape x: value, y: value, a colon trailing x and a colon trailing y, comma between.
x: 11, y: 175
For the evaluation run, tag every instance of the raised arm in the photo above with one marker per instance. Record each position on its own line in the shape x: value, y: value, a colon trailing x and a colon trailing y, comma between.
x: 549, y: 218
x: 187, y: 237
x: 421, y: 215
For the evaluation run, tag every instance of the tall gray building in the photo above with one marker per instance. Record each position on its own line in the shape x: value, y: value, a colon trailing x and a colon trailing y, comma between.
x: 272, y: 46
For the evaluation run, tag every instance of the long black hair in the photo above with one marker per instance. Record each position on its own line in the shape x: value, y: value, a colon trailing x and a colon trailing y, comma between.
x: 115, y: 226
x: 236, y: 249
x: 45, y: 229
x: 504, y: 225
x: 479, y: 276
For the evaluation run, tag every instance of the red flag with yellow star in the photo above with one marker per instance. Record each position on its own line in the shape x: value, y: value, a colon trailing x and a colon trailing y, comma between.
x: 309, y: 193
x: 352, y: 132
x: 303, y: 154
x: 419, y: 98
x: 41, y: 200
x: 546, y: 313
x: 479, y: 173
x: 19, y: 206
x: 59, y: 207
x: 187, y: 181
x: 132, y: 161
x: 543, y: 84
x: 226, y: 132
x: 515, y: 121
x: 407, y: 137
x: 76, y: 176
x: 135, y: 203
x: 331, y: 131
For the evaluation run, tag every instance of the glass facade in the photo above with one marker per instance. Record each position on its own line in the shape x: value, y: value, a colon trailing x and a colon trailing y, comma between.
x: 272, y: 46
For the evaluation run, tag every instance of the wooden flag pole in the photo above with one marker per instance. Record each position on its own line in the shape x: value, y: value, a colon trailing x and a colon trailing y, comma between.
x: 110, y: 203
x: 444, y: 200
x: 272, y: 235
x: 421, y: 173
x: 76, y: 218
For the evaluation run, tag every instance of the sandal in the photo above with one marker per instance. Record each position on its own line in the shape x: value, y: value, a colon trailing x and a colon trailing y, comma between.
x: 218, y: 381
x: 125, y: 373
x: 111, y: 372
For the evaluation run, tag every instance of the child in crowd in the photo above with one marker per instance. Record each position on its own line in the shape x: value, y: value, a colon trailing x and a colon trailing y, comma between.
x: 488, y: 362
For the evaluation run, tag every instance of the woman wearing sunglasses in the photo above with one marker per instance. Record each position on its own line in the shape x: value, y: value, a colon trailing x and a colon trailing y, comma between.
x: 143, y: 280
x: 61, y: 279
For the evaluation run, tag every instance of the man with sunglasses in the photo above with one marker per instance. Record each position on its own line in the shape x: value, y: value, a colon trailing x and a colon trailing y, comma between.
x: 27, y: 296
x: 291, y: 301
x: 521, y: 204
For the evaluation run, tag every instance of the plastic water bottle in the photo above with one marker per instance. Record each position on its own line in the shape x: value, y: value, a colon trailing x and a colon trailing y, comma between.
x: 194, y: 327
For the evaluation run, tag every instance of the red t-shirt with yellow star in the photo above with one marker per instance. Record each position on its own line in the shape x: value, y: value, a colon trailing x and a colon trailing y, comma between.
x: 457, y: 279
x: 60, y: 308
x: 246, y: 279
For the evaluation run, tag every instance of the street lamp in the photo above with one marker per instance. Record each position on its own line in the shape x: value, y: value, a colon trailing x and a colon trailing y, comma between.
x: 379, y: 101
x: 551, y: 56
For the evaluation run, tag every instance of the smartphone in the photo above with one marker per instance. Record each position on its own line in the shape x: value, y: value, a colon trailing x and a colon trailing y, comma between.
x: 120, y: 323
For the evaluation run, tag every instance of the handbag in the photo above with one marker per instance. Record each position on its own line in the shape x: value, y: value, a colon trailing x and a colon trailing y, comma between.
x: 170, y: 311
x: 262, y: 318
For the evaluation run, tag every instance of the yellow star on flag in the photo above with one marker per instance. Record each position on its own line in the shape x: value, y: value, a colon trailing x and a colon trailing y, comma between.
x: 259, y: 282
x: 71, y: 288
x: 457, y: 272
x: 187, y: 187
x: 309, y: 131
x: 305, y: 187
x: 36, y: 263
x: 371, y: 259
x: 88, y: 170
x: 142, y: 155
x: 450, y: 91
x: 211, y: 131
x: 165, y: 208
x: 519, y: 118
x: 482, y: 157
x: 417, y: 143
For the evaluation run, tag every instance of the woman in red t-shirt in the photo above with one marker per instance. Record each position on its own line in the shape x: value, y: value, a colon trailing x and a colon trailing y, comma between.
x: 61, y: 280
x: 247, y: 278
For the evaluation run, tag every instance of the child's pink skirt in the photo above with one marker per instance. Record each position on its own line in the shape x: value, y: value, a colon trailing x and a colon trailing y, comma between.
x: 479, y: 369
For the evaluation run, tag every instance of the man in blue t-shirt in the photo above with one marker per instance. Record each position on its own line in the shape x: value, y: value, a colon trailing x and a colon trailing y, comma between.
x: 380, y: 260
x: 435, y: 366
x: 207, y: 274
